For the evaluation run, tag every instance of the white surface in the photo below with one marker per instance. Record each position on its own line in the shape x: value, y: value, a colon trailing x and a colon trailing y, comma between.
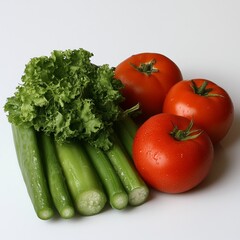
x: 201, y: 36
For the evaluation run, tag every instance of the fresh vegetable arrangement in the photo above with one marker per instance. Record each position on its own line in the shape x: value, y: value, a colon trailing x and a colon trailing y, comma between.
x: 77, y: 147
x: 63, y: 118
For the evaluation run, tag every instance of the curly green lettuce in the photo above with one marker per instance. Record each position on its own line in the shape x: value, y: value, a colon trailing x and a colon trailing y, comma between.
x: 67, y: 96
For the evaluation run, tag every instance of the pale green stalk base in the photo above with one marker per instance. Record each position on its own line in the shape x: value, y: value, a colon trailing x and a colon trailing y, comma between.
x: 67, y: 212
x: 45, y: 214
x: 119, y: 200
x: 90, y: 202
x: 138, y: 196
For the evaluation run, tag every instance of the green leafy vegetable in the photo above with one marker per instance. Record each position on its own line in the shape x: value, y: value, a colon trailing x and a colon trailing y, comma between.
x: 68, y: 96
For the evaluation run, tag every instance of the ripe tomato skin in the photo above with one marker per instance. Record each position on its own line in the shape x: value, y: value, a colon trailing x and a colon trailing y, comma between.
x: 214, y: 114
x: 167, y: 164
x: 149, y: 90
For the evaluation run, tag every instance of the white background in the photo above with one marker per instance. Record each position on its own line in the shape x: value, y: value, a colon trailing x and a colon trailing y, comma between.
x: 201, y: 36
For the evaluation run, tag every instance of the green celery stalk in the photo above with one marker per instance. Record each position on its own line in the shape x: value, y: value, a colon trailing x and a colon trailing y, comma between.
x: 130, y: 125
x: 117, y: 196
x: 126, y: 130
x: 55, y: 178
x: 82, y: 180
x: 124, y: 136
x: 30, y: 163
x: 136, y: 188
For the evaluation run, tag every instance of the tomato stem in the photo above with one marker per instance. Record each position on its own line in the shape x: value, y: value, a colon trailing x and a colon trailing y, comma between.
x: 146, y: 68
x: 187, y: 134
x: 203, y: 90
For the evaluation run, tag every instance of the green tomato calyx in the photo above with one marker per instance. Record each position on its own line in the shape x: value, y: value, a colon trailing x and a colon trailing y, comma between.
x: 203, y: 90
x: 146, y: 68
x: 187, y: 134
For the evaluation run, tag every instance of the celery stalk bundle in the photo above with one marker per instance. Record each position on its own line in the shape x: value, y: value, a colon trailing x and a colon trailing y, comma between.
x: 72, y: 140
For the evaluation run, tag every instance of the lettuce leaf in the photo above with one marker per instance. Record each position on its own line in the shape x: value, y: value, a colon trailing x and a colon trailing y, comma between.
x: 68, y: 96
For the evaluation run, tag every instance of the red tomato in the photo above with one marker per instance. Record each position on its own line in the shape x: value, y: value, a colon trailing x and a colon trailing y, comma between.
x: 147, y: 77
x: 203, y: 101
x: 172, y: 155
